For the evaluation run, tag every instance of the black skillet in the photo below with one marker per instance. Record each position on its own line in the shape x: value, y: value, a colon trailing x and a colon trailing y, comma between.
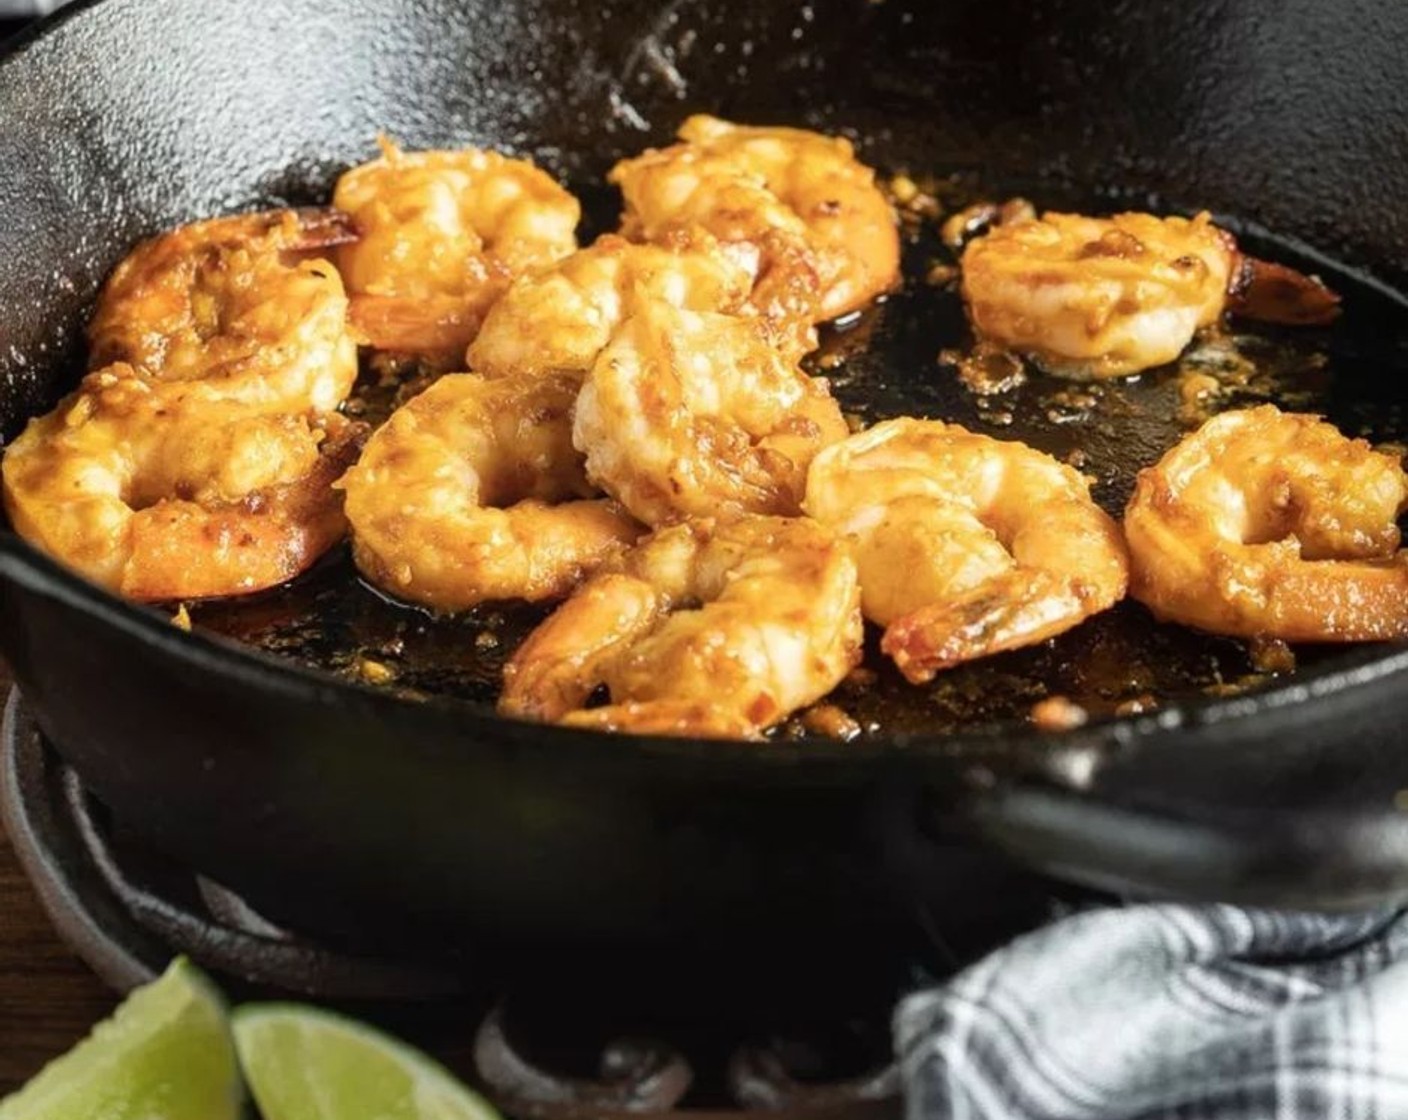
x: 360, y: 814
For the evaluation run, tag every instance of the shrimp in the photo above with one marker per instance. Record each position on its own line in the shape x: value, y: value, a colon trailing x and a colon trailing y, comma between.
x: 560, y: 319
x: 797, y: 208
x: 472, y: 491
x: 966, y: 545
x: 692, y: 413
x: 442, y: 234
x: 1105, y: 297
x: 1271, y: 524
x: 234, y: 309
x: 158, y: 499
x: 692, y: 719
x: 730, y: 422
x: 705, y: 628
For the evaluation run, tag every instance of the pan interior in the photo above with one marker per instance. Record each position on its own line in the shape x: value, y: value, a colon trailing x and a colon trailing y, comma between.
x: 895, y: 360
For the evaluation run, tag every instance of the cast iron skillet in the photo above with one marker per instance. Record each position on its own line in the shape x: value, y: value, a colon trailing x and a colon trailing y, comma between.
x: 360, y: 815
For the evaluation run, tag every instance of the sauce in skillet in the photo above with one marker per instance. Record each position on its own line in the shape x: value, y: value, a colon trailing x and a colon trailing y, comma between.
x: 906, y: 356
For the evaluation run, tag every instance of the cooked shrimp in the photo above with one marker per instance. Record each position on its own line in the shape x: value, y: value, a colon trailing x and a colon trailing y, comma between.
x: 796, y: 207
x: 1271, y: 524
x: 779, y: 627
x: 442, y: 235
x: 966, y: 545
x: 159, y: 500
x: 692, y: 719
x: 1104, y: 297
x: 693, y: 414
x: 472, y: 491
x: 693, y: 404
x: 1277, y: 293
x: 236, y: 308
x: 560, y: 319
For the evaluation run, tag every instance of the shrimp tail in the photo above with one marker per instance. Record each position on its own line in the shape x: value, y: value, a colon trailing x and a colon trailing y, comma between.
x: 1275, y: 293
x: 322, y: 227
x: 666, y: 717
x: 342, y: 444
x: 432, y: 327
x: 1019, y: 609
x: 787, y: 292
x: 564, y: 660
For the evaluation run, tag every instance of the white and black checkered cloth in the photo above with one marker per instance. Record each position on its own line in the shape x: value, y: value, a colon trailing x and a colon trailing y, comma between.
x: 1164, y: 1012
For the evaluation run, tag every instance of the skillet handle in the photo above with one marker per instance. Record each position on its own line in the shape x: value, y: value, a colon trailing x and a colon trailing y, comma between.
x: 949, y: 867
x: 1126, y: 829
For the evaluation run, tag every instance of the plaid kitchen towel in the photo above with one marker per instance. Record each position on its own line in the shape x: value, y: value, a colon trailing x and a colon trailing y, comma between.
x: 1214, y: 1013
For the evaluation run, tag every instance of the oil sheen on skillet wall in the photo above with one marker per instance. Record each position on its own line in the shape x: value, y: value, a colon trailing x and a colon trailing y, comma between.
x: 140, y: 113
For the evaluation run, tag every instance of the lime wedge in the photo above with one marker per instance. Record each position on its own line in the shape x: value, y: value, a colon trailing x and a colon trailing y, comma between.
x: 306, y: 1064
x: 165, y: 1054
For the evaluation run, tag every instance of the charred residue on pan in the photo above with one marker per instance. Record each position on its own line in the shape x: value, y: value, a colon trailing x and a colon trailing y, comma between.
x: 905, y: 356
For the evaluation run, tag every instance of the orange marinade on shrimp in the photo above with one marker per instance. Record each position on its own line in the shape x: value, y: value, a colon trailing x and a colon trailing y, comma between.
x: 197, y: 459
x: 442, y: 234
x: 691, y: 402
x: 560, y: 319
x: 1106, y: 297
x: 693, y: 414
x: 161, y: 499
x: 1265, y: 523
x: 967, y: 545
x: 802, y: 214
x: 472, y: 491
x: 710, y: 628
x: 243, y: 308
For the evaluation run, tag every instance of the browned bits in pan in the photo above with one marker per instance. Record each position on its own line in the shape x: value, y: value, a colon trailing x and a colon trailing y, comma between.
x: 831, y: 721
x: 1058, y: 713
x: 1271, y: 655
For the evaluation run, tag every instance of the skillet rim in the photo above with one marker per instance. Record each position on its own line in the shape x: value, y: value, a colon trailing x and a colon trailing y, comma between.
x: 40, y: 28
x: 24, y: 565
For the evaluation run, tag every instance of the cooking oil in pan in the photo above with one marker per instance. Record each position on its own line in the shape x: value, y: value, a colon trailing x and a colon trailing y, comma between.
x: 913, y: 355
